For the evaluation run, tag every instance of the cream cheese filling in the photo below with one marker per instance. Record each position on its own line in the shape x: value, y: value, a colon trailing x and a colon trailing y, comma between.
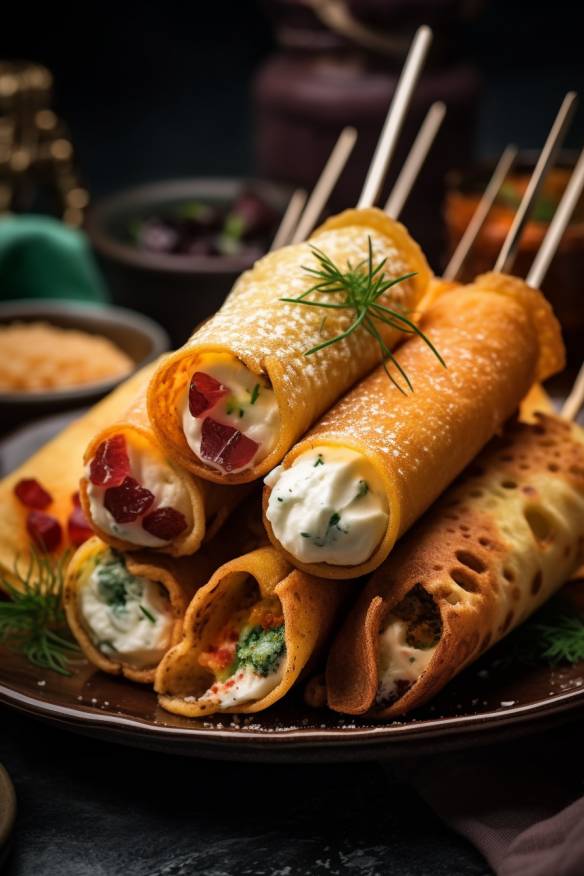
x: 397, y: 661
x: 125, y: 616
x: 152, y: 472
x: 244, y: 686
x: 250, y: 407
x: 326, y: 507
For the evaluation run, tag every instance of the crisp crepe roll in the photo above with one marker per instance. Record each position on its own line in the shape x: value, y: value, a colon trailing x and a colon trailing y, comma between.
x: 378, y: 459
x: 248, y: 634
x: 498, y: 544
x: 124, y: 610
x: 127, y: 609
x: 44, y: 488
x: 136, y: 496
x: 232, y: 401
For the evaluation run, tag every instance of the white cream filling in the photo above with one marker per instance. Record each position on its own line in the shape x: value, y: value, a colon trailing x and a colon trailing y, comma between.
x: 155, y: 475
x: 242, y: 687
x: 259, y: 421
x: 326, y: 508
x: 398, y: 661
x: 136, y: 627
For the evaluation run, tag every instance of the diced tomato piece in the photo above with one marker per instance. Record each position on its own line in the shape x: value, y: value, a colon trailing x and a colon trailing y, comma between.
x: 111, y: 463
x: 128, y: 501
x: 165, y: 523
x: 217, y: 659
x: 204, y: 393
x: 32, y: 494
x: 226, y: 446
x: 44, y: 530
x: 78, y: 528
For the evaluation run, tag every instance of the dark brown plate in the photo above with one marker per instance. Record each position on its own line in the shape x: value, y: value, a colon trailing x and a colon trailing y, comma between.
x: 496, y: 698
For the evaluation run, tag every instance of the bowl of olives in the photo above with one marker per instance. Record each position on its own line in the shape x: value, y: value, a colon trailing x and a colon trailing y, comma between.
x: 173, y: 250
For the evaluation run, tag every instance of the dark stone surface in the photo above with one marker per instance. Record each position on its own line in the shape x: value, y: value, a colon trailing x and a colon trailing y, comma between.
x: 87, y: 807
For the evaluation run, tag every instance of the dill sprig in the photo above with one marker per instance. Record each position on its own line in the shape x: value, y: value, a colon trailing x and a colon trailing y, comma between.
x: 362, y: 286
x: 32, y: 619
x: 562, y: 638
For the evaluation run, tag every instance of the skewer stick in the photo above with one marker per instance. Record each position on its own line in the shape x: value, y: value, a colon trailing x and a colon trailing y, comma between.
x: 326, y: 182
x: 289, y: 219
x: 415, y: 160
x: 395, y: 117
x: 572, y: 405
x: 480, y: 214
x: 558, y: 225
x: 544, y: 162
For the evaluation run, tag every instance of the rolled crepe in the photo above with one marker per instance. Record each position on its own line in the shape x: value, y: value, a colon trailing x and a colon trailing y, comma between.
x: 184, y: 510
x: 537, y: 399
x: 57, y: 467
x: 497, y: 545
x: 390, y: 454
x: 263, y: 387
x: 126, y: 609
x: 248, y: 635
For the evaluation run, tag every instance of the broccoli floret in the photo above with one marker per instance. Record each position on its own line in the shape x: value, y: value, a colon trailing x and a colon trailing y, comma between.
x: 261, y: 649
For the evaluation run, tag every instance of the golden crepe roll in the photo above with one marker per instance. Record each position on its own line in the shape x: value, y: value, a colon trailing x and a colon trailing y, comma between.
x: 136, y: 496
x: 379, y: 458
x: 126, y: 609
x: 248, y: 635
x: 497, y: 545
x: 48, y: 483
x: 230, y: 403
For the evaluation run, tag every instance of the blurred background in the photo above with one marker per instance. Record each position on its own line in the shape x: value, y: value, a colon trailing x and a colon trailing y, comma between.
x: 241, y: 102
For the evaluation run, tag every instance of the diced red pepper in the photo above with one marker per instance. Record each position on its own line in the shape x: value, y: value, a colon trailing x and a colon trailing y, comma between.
x: 165, y: 523
x: 111, y: 463
x: 204, y: 393
x: 78, y: 528
x: 226, y: 446
x: 32, y: 494
x: 44, y: 530
x: 128, y: 501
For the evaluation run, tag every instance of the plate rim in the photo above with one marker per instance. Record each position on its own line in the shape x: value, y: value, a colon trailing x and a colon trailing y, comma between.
x: 407, y: 732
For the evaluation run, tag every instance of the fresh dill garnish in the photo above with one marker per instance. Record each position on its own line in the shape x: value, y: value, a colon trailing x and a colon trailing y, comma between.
x: 362, y: 286
x: 562, y: 638
x: 305, y: 535
x: 319, y: 460
x: 32, y: 619
x: 147, y: 614
x: 254, y: 394
x: 335, y: 519
x: 362, y: 489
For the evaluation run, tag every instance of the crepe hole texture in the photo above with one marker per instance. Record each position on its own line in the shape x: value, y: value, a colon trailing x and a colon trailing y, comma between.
x: 465, y: 579
x: 541, y: 525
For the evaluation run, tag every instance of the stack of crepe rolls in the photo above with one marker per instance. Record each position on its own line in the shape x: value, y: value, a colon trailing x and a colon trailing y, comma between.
x: 136, y: 496
x: 57, y: 467
x: 126, y: 609
x: 498, y: 544
x: 248, y: 635
x: 379, y: 458
x: 235, y: 398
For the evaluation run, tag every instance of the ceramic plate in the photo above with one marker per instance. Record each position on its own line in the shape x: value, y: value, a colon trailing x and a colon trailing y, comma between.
x: 495, y: 698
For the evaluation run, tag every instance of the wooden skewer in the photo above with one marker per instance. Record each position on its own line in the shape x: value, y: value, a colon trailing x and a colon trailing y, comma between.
x: 480, y: 214
x: 395, y: 117
x: 575, y: 400
x: 415, y: 160
x: 544, y: 162
x: 289, y: 219
x: 558, y: 225
x: 326, y: 182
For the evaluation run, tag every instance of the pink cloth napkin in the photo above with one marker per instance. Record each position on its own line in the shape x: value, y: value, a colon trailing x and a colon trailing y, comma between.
x: 521, y: 803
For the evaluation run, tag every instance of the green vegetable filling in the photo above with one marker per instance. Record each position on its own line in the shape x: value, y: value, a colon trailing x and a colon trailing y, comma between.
x: 260, y: 649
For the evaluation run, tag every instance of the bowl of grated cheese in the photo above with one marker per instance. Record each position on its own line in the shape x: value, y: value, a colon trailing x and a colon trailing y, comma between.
x: 60, y: 355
